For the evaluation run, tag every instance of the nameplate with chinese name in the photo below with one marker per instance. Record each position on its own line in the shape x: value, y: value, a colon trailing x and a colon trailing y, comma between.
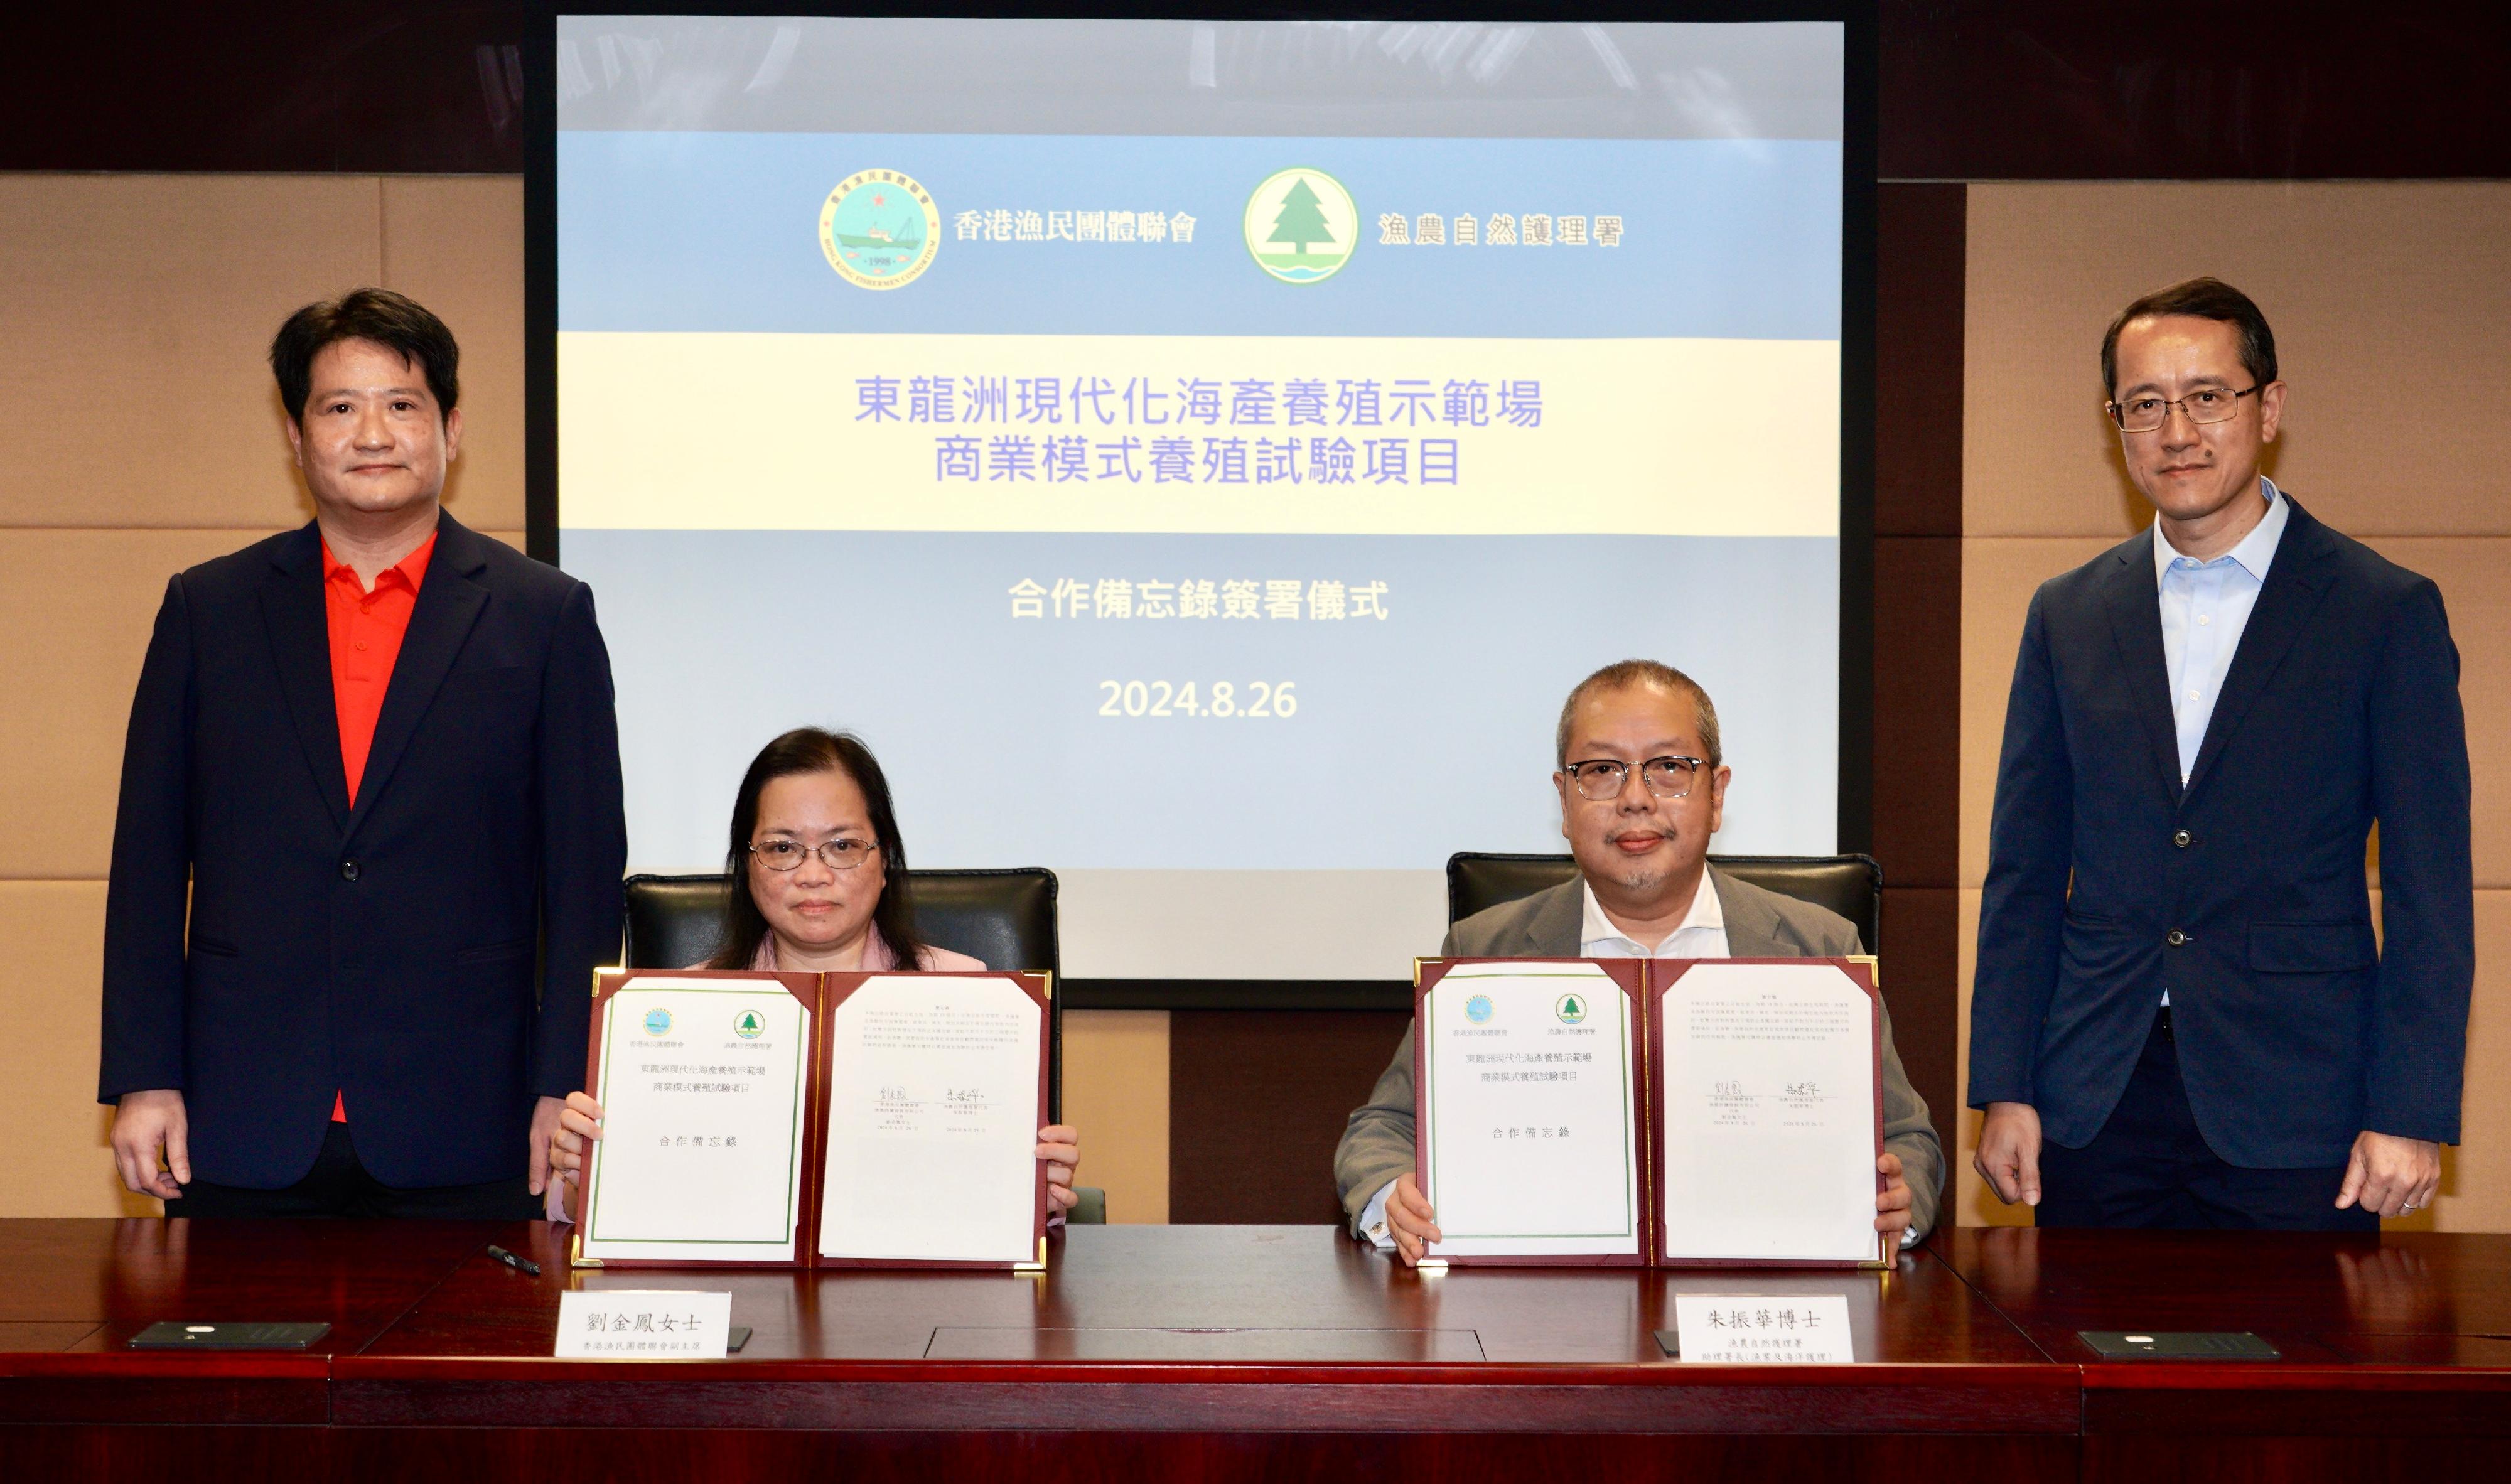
x: 644, y: 1324
x: 1757, y: 1329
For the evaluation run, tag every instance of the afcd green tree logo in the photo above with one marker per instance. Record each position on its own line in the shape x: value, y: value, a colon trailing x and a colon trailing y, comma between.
x: 1301, y: 225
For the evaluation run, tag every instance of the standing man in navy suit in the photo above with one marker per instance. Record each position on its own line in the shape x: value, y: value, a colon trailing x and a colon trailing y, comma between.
x: 374, y: 763
x: 2181, y: 1017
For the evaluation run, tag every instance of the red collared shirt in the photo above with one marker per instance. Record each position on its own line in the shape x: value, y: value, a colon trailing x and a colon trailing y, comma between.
x: 366, y: 630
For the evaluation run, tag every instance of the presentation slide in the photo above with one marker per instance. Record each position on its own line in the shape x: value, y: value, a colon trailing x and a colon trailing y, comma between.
x: 1199, y: 458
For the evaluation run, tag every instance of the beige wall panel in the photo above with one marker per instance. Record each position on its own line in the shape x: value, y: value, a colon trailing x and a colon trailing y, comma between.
x: 2369, y: 286
x: 455, y: 244
x: 1116, y: 1094
x: 76, y: 608
x: 1971, y: 1202
x: 1998, y: 578
x: 55, y: 1160
x: 2470, y: 574
x: 2476, y: 1175
x: 139, y: 310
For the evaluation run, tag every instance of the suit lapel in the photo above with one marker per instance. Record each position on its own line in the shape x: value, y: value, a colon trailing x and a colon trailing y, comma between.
x: 1752, y: 927
x: 2135, y: 605
x: 449, y: 603
x: 1552, y: 929
x: 301, y: 648
x: 2295, y: 581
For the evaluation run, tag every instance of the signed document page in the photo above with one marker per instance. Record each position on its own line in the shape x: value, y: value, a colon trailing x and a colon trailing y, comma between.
x: 1768, y: 1120
x: 1527, y: 1119
x: 703, y: 1088
x: 934, y: 1097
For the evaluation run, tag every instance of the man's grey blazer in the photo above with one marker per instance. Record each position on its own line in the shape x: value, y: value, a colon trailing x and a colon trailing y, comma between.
x: 1378, y: 1144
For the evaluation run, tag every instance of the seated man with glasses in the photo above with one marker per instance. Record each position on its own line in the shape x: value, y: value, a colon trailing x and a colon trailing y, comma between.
x: 1641, y: 787
x: 817, y: 873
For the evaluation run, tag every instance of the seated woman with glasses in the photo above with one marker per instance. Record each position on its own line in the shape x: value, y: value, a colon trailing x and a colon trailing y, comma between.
x: 817, y: 877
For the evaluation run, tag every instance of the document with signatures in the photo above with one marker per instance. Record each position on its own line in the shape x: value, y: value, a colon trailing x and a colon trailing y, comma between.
x: 1665, y: 1112
x: 1768, y: 1110
x: 937, y: 1089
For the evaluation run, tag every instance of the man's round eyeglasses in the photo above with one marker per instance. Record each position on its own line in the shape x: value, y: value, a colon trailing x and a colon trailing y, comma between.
x: 837, y: 854
x: 2207, y: 403
x: 1601, y: 778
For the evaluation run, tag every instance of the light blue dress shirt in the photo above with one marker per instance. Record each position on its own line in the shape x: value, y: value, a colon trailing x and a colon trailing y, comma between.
x: 2205, y: 606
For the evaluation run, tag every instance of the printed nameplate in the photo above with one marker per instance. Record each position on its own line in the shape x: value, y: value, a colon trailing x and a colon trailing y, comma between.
x: 1759, y: 1329
x: 644, y: 1324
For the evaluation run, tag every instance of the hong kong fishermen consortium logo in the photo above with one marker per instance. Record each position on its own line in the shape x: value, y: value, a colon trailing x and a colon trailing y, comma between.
x: 1301, y: 225
x: 879, y: 229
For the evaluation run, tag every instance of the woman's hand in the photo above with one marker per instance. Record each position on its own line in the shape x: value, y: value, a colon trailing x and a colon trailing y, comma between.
x: 578, y: 1121
x: 1059, y: 1146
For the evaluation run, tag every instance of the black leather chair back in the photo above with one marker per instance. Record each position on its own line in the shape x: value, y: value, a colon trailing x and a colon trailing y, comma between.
x: 1005, y: 920
x: 1851, y: 885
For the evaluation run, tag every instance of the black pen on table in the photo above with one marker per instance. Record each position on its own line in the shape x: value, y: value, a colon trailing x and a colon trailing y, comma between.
x: 518, y: 1264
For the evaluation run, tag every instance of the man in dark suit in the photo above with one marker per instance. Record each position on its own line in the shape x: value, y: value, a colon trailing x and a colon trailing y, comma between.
x: 375, y: 759
x: 1642, y: 788
x: 2181, y: 1016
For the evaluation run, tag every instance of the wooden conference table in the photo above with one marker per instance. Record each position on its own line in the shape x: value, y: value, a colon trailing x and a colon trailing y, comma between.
x: 1156, y: 1352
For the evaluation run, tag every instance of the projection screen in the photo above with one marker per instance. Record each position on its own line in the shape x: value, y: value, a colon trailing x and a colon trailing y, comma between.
x: 1199, y: 456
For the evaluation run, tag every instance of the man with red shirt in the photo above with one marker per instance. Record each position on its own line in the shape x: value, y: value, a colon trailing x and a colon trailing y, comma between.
x: 375, y: 763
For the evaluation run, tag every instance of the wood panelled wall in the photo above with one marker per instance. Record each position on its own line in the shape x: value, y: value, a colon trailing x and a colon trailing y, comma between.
x: 2391, y: 313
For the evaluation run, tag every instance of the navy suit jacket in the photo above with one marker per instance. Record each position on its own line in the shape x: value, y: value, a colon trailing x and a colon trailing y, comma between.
x: 428, y: 954
x: 2243, y: 893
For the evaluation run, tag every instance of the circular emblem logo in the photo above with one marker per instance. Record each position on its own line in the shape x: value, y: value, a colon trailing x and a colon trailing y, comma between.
x: 1478, y: 1009
x: 1571, y: 1008
x: 879, y: 229
x: 658, y: 1022
x: 747, y: 1025
x: 1301, y: 225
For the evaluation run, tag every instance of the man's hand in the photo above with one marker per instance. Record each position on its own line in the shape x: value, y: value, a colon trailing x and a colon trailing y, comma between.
x: 1891, y: 1206
x: 2388, y: 1175
x: 144, y: 1124
x: 545, y: 1115
x: 1059, y: 1146
x: 2009, y: 1153
x: 1410, y: 1220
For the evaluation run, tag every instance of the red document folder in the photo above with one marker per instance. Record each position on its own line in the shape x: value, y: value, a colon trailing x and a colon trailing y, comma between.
x: 1645, y: 982
x: 821, y: 995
